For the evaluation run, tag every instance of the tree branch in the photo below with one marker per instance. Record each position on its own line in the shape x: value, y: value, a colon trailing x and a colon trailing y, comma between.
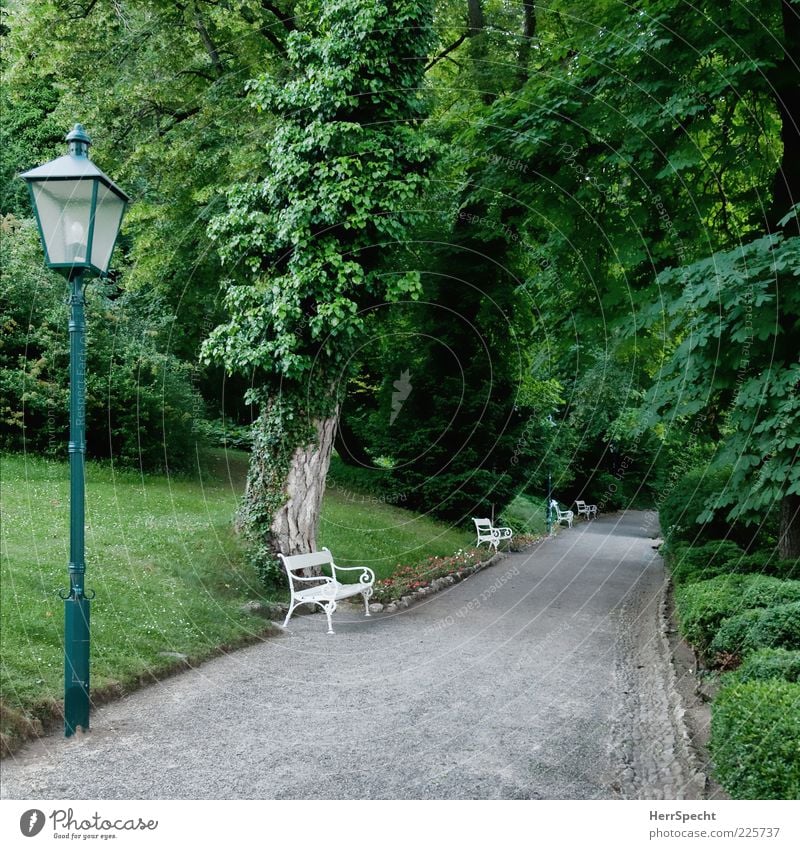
x: 211, y: 48
x: 475, y: 25
x: 286, y: 20
x: 457, y: 43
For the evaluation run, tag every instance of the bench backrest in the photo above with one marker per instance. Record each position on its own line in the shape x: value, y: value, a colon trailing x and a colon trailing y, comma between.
x: 295, y: 562
x: 483, y: 527
x: 581, y: 505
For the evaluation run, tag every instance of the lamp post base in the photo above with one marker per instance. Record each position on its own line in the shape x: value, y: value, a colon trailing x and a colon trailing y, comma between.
x: 76, y: 665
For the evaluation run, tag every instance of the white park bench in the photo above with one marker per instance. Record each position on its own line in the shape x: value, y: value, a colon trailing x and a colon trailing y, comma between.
x: 323, y: 590
x: 562, y: 515
x: 487, y: 533
x: 588, y: 510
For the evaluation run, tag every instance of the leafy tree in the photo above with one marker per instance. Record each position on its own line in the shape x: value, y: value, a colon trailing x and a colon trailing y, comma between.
x: 306, y: 241
x: 141, y: 406
x: 161, y: 87
x: 738, y: 315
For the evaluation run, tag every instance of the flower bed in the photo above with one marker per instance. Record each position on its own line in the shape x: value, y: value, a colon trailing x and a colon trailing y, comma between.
x: 408, y: 580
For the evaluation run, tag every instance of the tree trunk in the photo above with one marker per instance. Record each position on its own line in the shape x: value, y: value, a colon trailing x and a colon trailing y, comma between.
x: 785, y: 82
x: 528, y: 32
x: 295, y: 524
x: 475, y: 21
x: 285, y: 481
x: 789, y: 528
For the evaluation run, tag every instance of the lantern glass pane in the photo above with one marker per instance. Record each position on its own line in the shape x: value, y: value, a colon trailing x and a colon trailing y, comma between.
x: 108, y: 218
x: 64, y: 209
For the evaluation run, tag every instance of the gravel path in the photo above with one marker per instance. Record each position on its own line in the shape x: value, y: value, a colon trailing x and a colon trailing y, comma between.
x: 544, y: 676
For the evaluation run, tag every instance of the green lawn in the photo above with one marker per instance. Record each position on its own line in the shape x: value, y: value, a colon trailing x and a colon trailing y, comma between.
x: 370, y: 533
x: 526, y: 514
x: 168, y: 572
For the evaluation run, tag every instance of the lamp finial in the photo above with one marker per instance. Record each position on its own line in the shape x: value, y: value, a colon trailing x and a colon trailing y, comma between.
x: 78, y: 140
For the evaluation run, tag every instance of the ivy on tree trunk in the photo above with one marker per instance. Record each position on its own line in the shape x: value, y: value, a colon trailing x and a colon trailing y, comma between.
x: 316, y: 241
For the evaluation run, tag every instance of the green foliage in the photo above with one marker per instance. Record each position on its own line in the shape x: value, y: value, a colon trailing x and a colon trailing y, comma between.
x: 339, y: 175
x: 359, y: 483
x: 227, y: 434
x: 445, y: 394
x: 755, y: 739
x: 141, y: 407
x: 596, y: 169
x: 159, y: 86
x: 29, y: 134
x: 745, y: 302
x: 768, y: 664
x: 703, y: 605
x: 774, y: 627
x: 525, y: 515
x: 688, y: 510
x: 689, y: 564
x: 609, y: 492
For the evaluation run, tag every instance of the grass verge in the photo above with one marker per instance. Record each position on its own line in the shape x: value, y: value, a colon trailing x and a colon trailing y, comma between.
x: 170, y: 576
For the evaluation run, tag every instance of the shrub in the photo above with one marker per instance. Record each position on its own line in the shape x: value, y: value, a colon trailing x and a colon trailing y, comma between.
x: 141, y: 407
x: 755, y: 739
x: 699, y: 563
x: 765, y: 591
x: 611, y: 492
x: 767, y: 664
x: 773, y: 627
x: 689, y: 564
x: 703, y: 605
x: 227, y: 434
x: 680, y: 511
x: 765, y: 563
x: 689, y: 512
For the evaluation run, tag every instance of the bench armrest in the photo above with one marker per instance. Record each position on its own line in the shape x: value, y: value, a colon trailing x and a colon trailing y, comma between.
x: 502, y: 533
x: 367, y: 575
x: 324, y: 578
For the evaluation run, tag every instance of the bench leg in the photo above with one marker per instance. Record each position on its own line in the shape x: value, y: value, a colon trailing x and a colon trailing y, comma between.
x: 288, y: 615
x: 366, y: 594
x: 329, y: 608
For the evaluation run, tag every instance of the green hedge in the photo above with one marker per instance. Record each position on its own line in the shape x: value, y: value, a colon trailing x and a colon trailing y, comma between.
x: 721, y: 557
x: 755, y: 739
x: 774, y: 627
x: 766, y: 664
x: 698, y: 563
x: 704, y: 605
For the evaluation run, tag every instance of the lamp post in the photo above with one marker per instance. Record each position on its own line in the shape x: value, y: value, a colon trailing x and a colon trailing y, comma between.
x: 549, y: 511
x: 79, y: 211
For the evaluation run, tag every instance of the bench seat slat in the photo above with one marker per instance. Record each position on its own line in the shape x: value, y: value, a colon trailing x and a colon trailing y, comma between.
x: 325, y: 591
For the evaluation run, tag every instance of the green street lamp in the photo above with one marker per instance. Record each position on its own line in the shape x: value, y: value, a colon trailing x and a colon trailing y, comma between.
x: 549, y: 509
x: 79, y: 211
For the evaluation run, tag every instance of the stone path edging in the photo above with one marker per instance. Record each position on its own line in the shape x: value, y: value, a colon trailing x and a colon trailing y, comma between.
x: 439, y: 584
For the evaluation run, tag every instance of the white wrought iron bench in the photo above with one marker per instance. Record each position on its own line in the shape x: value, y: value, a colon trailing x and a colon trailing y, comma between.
x: 487, y: 533
x: 562, y: 515
x: 588, y: 510
x: 323, y: 590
